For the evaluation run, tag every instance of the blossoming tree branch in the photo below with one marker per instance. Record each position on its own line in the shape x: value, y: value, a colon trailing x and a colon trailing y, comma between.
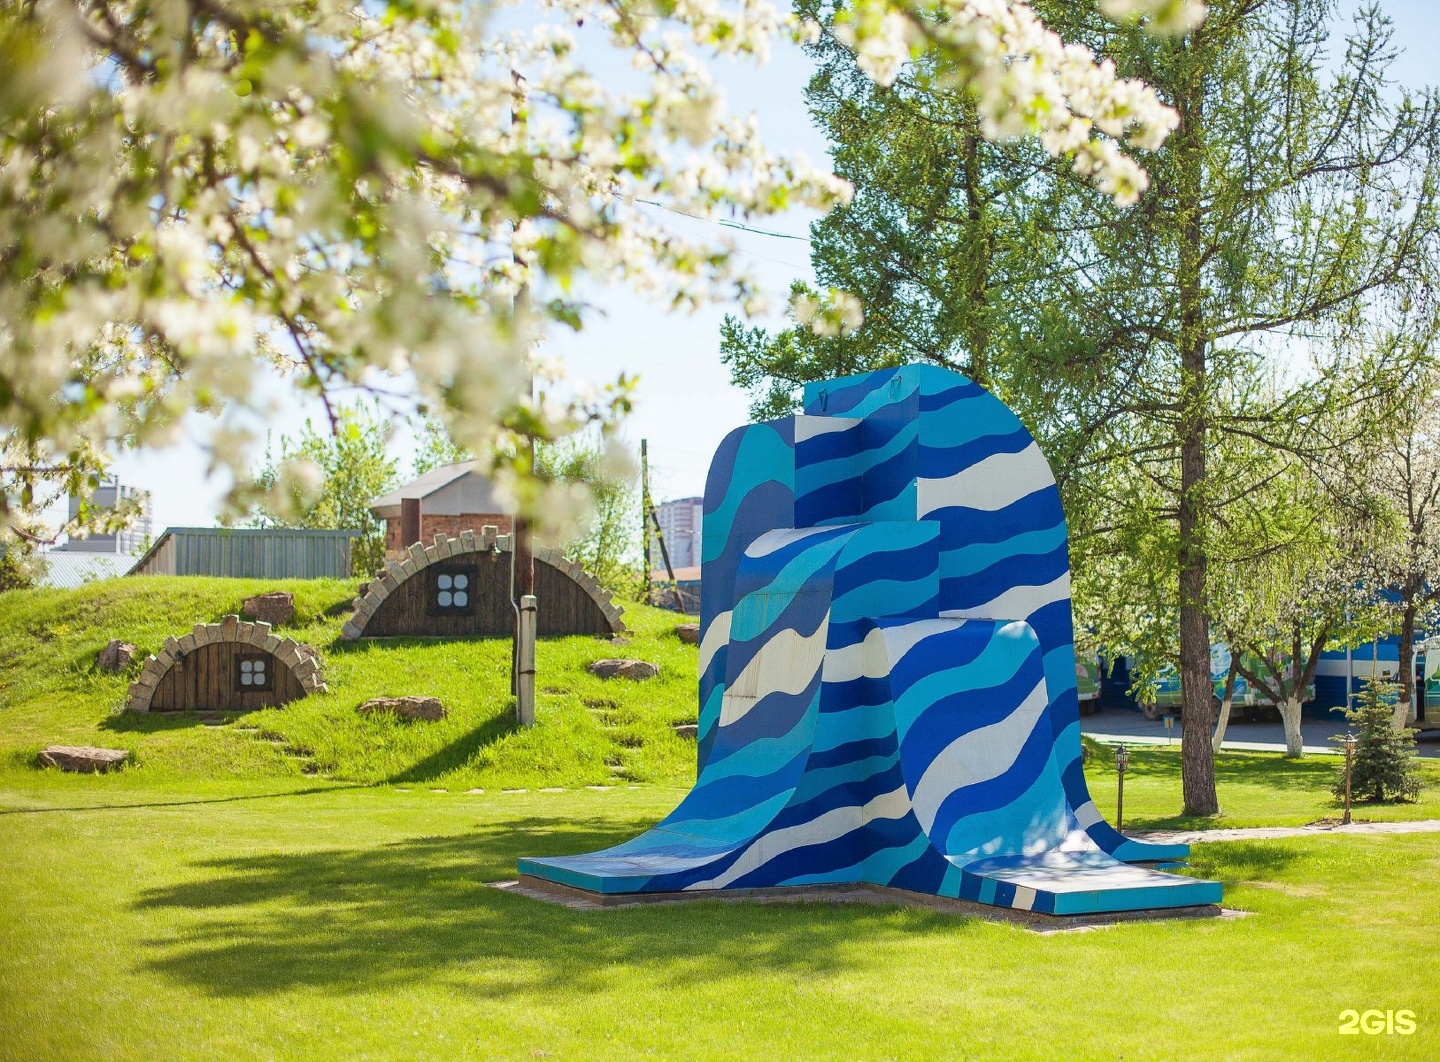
x: 400, y: 196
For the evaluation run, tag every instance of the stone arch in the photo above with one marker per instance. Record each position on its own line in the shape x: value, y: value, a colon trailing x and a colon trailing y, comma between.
x: 398, y: 601
x: 201, y: 670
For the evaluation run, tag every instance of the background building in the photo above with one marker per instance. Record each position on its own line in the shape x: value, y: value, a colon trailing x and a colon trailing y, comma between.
x: 680, y: 522
x: 129, y: 541
x: 452, y: 499
x: 97, y: 556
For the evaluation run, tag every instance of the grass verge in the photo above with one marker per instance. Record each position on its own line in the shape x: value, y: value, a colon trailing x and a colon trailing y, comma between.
x: 266, y: 921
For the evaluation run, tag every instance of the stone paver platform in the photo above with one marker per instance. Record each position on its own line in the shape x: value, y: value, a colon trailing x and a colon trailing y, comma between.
x: 1034, y: 921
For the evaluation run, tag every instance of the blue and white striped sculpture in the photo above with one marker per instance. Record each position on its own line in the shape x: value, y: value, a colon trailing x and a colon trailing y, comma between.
x: 887, y: 669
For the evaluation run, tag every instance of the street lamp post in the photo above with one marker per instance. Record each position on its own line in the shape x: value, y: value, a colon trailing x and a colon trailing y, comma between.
x: 1122, y: 760
x: 1349, y: 764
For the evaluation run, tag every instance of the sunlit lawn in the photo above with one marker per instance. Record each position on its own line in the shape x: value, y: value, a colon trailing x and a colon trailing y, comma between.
x: 589, y: 731
x: 1255, y: 789
x: 213, y: 902
x: 353, y: 923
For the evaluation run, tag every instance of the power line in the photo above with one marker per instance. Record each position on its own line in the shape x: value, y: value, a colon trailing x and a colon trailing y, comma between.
x: 723, y: 223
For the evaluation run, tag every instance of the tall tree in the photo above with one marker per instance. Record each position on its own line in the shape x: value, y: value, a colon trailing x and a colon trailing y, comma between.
x: 1294, y: 584
x: 1289, y: 199
x: 937, y: 242
x: 1404, y: 470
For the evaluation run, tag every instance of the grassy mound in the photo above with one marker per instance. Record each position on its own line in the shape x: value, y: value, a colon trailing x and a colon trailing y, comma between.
x: 588, y: 732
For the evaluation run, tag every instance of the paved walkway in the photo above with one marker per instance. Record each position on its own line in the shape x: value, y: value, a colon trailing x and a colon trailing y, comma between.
x: 1258, y: 833
x: 1113, y: 725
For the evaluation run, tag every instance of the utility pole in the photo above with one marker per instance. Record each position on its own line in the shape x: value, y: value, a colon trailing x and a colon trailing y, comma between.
x: 645, y: 514
x: 665, y: 556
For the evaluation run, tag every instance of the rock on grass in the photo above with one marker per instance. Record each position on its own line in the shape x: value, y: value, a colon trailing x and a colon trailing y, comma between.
x: 115, y: 657
x: 427, y: 709
x: 634, y: 670
x: 276, y: 608
x: 82, y: 759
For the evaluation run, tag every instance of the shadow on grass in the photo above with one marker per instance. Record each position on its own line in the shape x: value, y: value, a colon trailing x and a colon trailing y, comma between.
x: 342, y: 646
x: 127, y: 722
x: 419, y: 911
x: 458, y: 753
x: 1238, y: 861
x: 182, y: 803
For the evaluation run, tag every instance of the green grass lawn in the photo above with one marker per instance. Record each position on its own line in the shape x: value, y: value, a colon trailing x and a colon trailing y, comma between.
x: 1256, y: 789
x: 306, y: 883
x: 589, y: 731
x: 307, y: 920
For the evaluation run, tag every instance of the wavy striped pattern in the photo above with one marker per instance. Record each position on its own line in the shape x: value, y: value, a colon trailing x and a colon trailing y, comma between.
x: 887, y: 686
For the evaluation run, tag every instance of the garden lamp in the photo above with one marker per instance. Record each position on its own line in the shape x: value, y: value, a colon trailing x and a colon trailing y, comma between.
x: 1349, y: 763
x: 1122, y: 760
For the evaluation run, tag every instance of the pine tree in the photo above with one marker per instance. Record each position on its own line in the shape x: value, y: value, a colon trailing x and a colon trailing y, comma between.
x: 1384, y: 765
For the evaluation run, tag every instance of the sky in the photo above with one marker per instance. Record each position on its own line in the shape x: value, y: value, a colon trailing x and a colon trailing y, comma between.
x: 685, y: 403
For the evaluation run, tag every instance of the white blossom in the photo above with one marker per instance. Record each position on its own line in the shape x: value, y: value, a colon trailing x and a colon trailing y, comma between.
x: 396, y: 196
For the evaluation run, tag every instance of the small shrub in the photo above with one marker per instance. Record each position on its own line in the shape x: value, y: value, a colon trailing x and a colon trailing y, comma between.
x: 21, y: 566
x: 1384, y: 766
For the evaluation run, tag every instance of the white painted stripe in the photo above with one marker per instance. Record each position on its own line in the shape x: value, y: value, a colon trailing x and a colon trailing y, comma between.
x: 810, y: 427
x: 786, y: 663
x: 830, y: 826
x: 982, y: 754
x: 1087, y: 815
x: 892, y: 805
x: 771, y: 541
x: 1024, y: 898
x: 900, y: 640
x: 1018, y: 602
x: 716, y: 635
x: 990, y: 484
x: 867, y: 659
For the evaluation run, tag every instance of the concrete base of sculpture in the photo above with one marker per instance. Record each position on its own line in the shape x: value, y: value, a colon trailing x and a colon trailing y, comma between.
x: 844, y: 893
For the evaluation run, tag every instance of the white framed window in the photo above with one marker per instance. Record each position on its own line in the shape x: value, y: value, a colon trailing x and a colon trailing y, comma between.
x: 254, y: 674
x: 452, y: 591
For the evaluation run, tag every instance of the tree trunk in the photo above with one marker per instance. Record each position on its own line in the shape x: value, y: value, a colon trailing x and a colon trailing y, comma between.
x: 1407, y: 650
x: 980, y: 252
x: 1290, y: 716
x: 1197, y: 767
x: 1224, y: 720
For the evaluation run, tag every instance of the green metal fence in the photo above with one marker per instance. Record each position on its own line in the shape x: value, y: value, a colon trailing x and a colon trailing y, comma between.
x: 268, y: 553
